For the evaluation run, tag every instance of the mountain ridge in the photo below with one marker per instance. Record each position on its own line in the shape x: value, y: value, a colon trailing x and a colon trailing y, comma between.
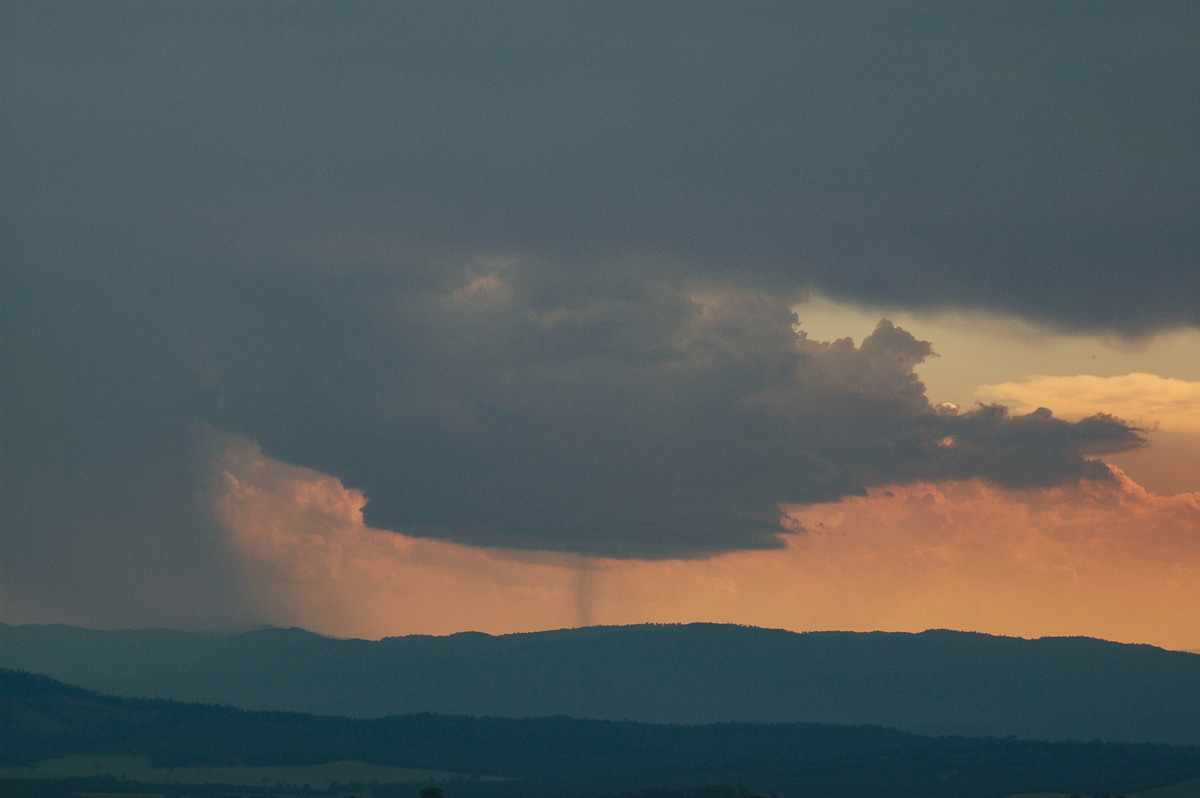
x: 933, y: 682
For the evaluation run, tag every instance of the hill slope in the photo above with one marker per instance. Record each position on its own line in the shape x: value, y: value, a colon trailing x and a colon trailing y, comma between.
x: 936, y: 682
x: 41, y: 719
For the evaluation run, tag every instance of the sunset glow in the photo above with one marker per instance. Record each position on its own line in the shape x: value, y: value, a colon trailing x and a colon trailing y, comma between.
x: 1068, y: 561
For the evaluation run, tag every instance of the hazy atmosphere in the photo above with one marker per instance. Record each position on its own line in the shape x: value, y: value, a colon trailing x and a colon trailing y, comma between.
x: 391, y: 318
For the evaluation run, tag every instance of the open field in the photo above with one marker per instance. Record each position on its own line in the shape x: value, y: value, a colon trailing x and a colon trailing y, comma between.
x: 1185, y: 789
x: 140, y: 769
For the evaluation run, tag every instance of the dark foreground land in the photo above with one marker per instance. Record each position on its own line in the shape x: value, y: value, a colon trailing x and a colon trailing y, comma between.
x: 58, y: 740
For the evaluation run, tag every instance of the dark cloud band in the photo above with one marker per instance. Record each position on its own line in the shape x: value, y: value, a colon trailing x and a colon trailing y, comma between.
x: 1035, y: 160
x: 516, y: 406
x: 522, y: 273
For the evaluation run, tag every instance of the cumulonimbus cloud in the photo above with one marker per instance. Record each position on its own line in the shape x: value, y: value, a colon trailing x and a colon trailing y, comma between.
x: 520, y: 404
x: 291, y: 222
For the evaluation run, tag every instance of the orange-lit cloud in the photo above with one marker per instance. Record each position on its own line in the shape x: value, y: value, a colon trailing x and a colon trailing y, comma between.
x: 1168, y: 407
x: 310, y: 561
x: 1109, y: 560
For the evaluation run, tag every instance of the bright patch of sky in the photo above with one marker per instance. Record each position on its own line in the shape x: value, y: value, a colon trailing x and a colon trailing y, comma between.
x: 976, y: 348
x: 987, y: 357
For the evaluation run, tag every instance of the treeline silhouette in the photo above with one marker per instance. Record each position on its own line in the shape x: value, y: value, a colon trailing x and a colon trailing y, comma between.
x: 41, y: 719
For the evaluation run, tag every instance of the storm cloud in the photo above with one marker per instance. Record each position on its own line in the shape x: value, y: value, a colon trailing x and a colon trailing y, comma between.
x: 624, y: 419
x: 1033, y: 159
x: 523, y: 273
x: 545, y: 405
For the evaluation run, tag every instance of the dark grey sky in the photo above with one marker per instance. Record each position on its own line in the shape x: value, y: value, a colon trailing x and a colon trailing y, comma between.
x: 521, y: 272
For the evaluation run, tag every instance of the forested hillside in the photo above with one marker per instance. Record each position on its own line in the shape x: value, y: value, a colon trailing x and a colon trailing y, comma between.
x: 937, y: 682
x: 41, y: 719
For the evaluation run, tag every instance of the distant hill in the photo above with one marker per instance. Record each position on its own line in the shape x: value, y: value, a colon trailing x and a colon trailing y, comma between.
x: 936, y: 682
x: 41, y: 720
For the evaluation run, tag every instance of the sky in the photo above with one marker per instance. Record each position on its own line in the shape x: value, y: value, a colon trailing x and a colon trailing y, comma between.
x: 382, y: 319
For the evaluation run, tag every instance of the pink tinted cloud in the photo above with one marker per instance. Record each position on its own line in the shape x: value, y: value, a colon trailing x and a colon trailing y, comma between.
x: 1105, y: 559
x: 310, y: 560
